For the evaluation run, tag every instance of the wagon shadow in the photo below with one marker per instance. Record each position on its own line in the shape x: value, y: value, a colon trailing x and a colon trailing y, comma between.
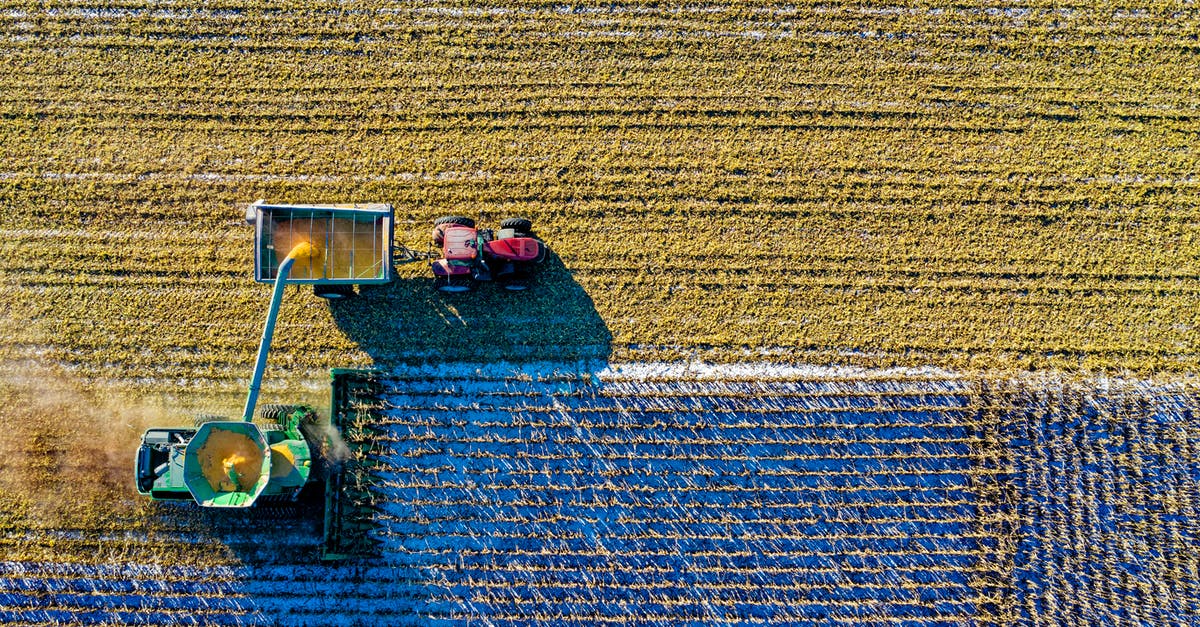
x: 409, y: 321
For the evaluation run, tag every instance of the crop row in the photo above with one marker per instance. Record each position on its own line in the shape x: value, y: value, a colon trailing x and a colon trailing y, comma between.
x: 1108, y: 491
x: 74, y: 319
x: 699, y: 522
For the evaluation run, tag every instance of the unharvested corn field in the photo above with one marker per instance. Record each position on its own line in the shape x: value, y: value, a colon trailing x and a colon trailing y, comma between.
x: 877, y: 219
x: 976, y: 187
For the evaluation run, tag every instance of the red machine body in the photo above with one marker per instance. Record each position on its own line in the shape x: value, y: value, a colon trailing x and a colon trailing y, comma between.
x: 505, y: 256
x: 514, y: 248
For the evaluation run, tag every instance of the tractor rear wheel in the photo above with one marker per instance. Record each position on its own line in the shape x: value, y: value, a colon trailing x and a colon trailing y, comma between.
x: 334, y: 292
x: 523, y: 226
x: 440, y: 225
x: 459, y: 220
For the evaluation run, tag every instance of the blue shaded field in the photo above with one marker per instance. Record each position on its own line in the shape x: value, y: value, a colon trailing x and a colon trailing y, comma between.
x: 678, y: 501
x: 1109, y: 489
x: 509, y: 495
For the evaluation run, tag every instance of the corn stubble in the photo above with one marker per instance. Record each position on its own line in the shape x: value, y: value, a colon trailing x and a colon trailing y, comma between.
x: 963, y: 188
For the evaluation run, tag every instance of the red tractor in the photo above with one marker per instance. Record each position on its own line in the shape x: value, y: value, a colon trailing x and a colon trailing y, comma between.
x: 506, y: 256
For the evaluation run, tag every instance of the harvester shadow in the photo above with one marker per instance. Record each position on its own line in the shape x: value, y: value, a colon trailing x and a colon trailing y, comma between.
x: 409, y: 321
x: 267, y: 533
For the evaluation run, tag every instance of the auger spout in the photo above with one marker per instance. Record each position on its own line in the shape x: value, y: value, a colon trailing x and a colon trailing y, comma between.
x: 303, y: 251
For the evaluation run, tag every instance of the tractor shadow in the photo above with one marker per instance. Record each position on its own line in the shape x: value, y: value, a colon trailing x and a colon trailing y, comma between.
x: 409, y: 321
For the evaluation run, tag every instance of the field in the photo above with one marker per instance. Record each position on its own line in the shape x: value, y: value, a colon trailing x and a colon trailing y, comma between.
x: 933, y: 266
x: 979, y: 188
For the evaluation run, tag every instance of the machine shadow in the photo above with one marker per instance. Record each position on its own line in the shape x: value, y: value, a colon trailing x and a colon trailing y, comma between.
x: 406, y: 322
x: 409, y: 321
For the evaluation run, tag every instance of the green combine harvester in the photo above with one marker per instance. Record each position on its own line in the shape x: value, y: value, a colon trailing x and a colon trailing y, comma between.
x: 288, y: 449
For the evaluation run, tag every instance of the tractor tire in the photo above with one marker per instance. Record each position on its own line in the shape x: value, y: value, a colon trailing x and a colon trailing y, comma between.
x: 520, y: 225
x: 205, y: 418
x: 439, y: 227
x: 334, y: 292
x: 459, y: 220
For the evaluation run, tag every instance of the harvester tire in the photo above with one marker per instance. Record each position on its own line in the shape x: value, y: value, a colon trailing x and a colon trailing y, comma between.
x: 203, y: 418
x: 439, y: 227
x: 520, y: 225
x: 275, y: 411
x: 276, y: 414
x: 334, y: 292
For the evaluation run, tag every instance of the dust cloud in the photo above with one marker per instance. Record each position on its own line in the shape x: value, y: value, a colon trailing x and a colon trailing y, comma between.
x: 66, y: 451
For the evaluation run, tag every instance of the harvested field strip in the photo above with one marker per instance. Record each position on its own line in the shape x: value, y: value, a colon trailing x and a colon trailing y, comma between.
x: 600, y: 487
x: 556, y: 493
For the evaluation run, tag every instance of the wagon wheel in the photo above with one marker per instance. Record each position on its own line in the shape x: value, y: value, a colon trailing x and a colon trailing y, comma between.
x: 334, y: 292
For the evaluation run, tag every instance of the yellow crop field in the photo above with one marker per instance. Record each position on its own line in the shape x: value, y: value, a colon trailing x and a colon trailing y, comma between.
x: 984, y: 187
x: 903, y: 208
